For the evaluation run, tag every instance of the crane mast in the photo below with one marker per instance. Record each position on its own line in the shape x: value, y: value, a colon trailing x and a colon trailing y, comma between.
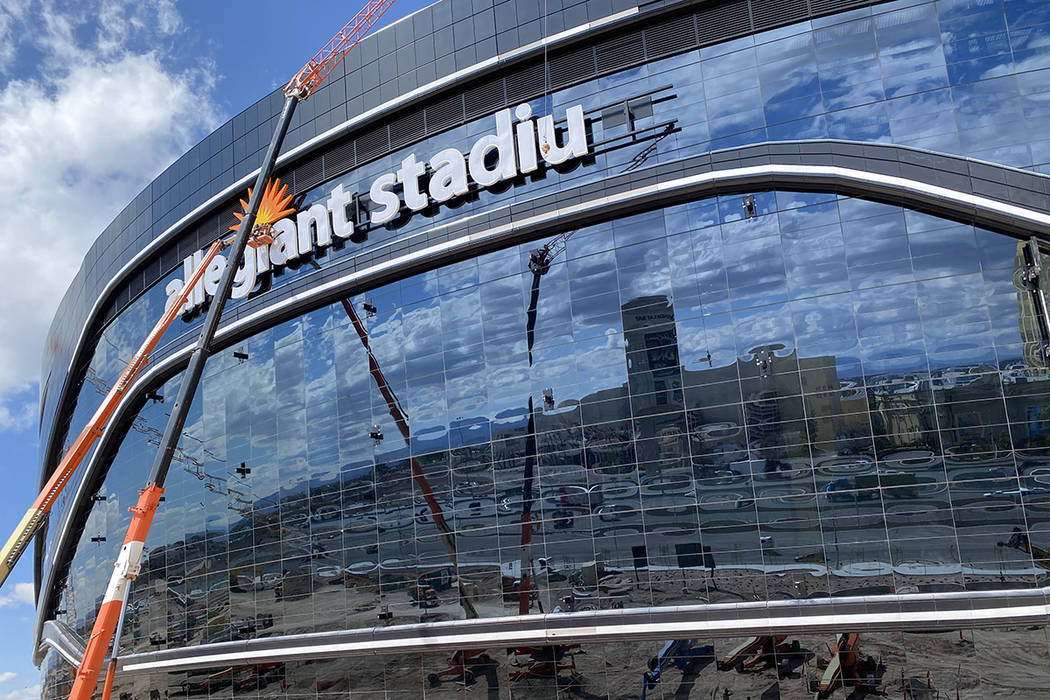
x: 129, y: 561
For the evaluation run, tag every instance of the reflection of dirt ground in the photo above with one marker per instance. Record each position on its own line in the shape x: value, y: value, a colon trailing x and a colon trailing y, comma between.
x: 978, y: 664
x: 356, y: 602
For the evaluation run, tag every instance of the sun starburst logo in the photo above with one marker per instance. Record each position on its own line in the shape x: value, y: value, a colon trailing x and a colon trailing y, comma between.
x: 275, y: 205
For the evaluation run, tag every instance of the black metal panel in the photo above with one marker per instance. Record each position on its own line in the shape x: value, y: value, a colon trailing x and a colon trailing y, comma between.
x: 620, y: 51
x: 340, y: 159
x: 572, y: 66
x: 771, y: 14
x: 525, y: 83
x: 670, y: 36
x: 308, y: 174
x: 444, y: 113
x: 373, y: 143
x: 404, y: 130
x: 484, y: 98
x: 723, y: 21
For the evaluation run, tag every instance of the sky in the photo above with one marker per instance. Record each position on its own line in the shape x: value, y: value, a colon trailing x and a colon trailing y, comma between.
x: 97, y: 97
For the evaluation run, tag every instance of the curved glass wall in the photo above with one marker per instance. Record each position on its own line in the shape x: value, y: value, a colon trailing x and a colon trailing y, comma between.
x: 828, y: 397
x: 962, y: 78
x: 832, y: 396
x: 921, y: 664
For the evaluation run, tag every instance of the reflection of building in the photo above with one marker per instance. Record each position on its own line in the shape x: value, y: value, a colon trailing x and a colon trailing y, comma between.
x: 753, y: 395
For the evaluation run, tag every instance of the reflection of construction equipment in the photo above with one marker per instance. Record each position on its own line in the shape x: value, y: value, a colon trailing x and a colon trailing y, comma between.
x: 448, y: 537
x: 1019, y: 540
x: 845, y: 667
x: 129, y: 561
x: 37, y: 514
x: 546, y: 661
x: 675, y: 653
x: 762, y: 650
x: 465, y: 666
x: 539, y: 264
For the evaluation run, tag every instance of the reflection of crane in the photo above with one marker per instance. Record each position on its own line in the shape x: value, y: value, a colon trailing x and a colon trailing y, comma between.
x: 394, y: 406
x: 256, y: 220
x: 539, y: 264
x: 1019, y: 540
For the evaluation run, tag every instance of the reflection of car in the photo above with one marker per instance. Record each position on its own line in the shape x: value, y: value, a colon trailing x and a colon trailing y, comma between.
x: 844, y: 490
x: 563, y: 518
x: 1023, y: 491
x: 611, y: 513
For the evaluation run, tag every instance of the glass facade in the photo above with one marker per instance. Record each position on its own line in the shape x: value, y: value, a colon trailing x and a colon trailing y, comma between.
x: 951, y: 664
x: 778, y: 396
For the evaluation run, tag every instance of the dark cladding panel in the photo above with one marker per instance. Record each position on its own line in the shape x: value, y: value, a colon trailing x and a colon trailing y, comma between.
x: 308, y: 174
x: 226, y: 219
x: 823, y: 6
x: 723, y: 21
x: 774, y: 14
x: 670, y: 36
x: 572, y: 66
x: 373, y: 143
x: 620, y: 51
x: 445, y: 113
x: 484, y: 98
x: 525, y: 83
x: 407, y: 129
x: 340, y: 159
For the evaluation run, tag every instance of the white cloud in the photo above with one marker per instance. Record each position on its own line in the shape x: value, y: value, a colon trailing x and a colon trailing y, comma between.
x: 81, y: 138
x: 27, y: 693
x: 21, y: 594
x: 6, y: 676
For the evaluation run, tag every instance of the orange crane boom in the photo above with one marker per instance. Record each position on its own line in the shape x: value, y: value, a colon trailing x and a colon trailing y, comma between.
x: 129, y: 561
x: 38, y: 512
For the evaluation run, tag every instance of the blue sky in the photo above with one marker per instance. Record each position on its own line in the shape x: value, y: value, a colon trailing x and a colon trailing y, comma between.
x: 96, y: 98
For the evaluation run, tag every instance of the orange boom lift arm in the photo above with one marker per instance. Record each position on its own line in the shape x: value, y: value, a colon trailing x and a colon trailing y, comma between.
x: 37, y: 514
x: 128, y: 563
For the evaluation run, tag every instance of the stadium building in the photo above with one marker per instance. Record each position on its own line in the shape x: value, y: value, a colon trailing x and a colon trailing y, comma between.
x: 693, y: 347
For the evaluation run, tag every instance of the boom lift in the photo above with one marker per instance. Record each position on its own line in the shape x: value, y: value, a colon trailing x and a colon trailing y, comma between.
x: 129, y: 561
x: 36, y: 516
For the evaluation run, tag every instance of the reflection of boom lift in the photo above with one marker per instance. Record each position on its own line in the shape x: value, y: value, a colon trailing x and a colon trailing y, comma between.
x: 677, y: 653
x: 1019, y: 540
x: 845, y: 667
x: 539, y: 264
x: 546, y: 661
x: 763, y: 649
x: 396, y: 412
x: 126, y: 569
x: 465, y: 666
